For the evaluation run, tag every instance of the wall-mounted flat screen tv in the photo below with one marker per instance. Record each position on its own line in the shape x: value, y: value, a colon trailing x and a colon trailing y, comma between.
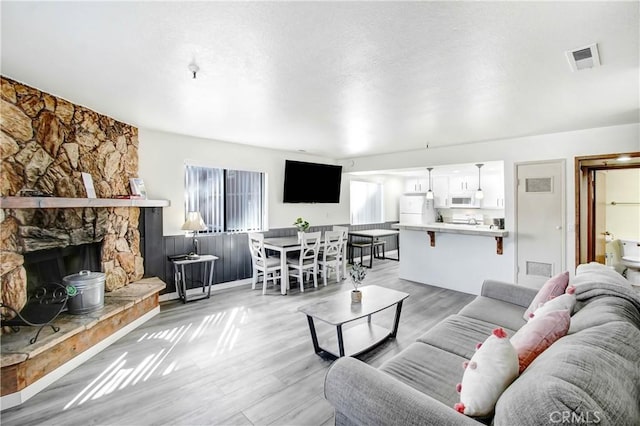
x: 311, y: 182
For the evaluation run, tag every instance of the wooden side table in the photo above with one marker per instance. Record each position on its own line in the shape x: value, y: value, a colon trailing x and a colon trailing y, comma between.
x: 180, y: 277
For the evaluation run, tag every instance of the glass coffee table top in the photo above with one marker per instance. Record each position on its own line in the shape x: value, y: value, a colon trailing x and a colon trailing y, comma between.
x: 338, y: 309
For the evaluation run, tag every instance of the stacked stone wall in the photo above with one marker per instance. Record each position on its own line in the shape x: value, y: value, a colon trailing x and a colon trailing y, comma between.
x: 46, y: 143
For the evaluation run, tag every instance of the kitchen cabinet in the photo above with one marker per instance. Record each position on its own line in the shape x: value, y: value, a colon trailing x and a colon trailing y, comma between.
x: 493, y: 189
x: 440, y: 190
x: 416, y: 184
x: 463, y: 183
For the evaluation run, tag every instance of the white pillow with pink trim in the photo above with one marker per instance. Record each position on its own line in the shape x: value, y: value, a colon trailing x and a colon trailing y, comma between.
x: 489, y: 372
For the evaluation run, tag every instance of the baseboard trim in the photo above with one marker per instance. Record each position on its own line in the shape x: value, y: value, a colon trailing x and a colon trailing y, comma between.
x: 17, y: 398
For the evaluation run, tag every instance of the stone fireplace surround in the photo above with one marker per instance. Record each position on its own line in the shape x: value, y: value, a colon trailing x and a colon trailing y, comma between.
x: 45, y: 144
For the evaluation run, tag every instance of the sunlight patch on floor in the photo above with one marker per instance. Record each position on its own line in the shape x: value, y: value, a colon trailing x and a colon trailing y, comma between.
x: 119, y: 375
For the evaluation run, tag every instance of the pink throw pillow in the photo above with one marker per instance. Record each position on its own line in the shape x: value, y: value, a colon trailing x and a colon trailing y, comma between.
x: 538, y: 334
x: 555, y: 286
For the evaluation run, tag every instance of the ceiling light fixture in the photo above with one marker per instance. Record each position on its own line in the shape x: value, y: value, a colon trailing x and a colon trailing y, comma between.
x: 429, y: 192
x: 479, y: 193
x: 194, y: 69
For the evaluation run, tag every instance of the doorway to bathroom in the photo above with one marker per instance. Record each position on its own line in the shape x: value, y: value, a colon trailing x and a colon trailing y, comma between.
x: 607, y: 205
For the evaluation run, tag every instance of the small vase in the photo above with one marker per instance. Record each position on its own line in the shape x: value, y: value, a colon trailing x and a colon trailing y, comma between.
x: 356, y: 296
x: 300, y: 233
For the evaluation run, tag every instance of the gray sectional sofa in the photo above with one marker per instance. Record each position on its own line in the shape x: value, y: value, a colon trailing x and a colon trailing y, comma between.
x: 589, y: 376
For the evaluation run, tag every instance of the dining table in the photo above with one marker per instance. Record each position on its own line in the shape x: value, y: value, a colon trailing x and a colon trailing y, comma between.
x: 283, y: 245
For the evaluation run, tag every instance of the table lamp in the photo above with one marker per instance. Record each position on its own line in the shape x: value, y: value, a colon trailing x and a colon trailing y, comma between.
x: 194, y: 223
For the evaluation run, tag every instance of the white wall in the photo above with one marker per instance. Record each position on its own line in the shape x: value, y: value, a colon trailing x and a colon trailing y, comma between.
x: 558, y: 146
x: 162, y: 157
x: 623, y: 220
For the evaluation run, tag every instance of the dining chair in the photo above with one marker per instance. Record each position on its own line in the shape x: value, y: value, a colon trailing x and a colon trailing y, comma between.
x: 263, y: 265
x: 307, y: 260
x: 343, y: 250
x: 330, y: 258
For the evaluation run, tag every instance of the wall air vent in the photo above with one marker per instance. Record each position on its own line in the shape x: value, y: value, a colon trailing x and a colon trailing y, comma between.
x: 584, y: 58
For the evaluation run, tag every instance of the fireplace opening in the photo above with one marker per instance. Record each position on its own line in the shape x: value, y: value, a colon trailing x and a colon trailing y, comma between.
x: 51, y: 265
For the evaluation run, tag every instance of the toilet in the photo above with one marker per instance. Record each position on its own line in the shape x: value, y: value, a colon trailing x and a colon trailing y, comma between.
x: 631, y: 260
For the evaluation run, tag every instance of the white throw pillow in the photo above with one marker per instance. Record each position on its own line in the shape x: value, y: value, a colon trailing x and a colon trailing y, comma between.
x: 489, y: 372
x: 565, y: 302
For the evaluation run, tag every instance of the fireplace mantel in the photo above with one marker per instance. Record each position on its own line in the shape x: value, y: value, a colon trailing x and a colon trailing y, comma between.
x: 62, y: 202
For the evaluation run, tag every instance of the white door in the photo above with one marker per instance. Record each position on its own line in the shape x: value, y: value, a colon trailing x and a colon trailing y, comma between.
x: 540, y: 213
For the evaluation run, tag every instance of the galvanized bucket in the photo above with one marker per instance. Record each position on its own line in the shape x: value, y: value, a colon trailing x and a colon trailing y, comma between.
x: 86, y: 292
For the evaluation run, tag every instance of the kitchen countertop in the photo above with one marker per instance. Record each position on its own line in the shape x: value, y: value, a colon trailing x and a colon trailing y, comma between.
x: 454, y: 228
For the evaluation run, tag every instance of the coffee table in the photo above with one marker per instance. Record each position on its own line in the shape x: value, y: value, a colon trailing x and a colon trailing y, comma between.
x: 338, y: 310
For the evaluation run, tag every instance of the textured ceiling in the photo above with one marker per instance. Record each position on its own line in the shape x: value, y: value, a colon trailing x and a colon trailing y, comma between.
x: 335, y: 79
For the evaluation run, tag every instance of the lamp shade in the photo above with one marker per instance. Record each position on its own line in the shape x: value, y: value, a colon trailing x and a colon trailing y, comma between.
x: 194, y: 222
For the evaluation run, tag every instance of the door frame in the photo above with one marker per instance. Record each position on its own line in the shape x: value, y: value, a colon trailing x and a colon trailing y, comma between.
x: 584, y: 169
x: 563, y: 164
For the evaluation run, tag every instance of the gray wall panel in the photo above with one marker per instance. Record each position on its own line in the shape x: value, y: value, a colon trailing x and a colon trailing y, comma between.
x: 233, y: 251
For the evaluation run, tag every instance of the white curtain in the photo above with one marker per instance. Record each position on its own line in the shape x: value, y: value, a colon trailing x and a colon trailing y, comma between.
x: 366, y: 203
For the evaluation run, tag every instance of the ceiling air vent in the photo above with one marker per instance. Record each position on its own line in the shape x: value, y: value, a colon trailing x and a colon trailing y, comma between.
x: 584, y: 58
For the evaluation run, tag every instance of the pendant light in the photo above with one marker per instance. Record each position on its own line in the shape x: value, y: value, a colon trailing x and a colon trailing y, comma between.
x: 429, y: 192
x: 479, y: 193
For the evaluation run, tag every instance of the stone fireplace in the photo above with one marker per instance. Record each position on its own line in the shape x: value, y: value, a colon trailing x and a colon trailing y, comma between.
x: 49, y: 228
x: 46, y: 143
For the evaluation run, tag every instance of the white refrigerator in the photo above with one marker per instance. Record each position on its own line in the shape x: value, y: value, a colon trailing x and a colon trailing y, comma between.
x: 412, y: 209
x: 416, y: 209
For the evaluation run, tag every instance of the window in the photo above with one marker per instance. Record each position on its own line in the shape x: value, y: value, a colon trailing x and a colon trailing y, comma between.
x: 228, y: 200
x: 366, y: 202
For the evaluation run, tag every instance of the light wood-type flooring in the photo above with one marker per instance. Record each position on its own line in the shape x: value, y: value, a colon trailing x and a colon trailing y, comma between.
x: 238, y: 358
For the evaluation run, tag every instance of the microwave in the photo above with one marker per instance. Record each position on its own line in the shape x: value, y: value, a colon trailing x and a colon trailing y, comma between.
x: 464, y: 201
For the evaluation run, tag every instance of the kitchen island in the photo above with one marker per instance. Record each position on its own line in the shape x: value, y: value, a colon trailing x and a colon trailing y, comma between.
x: 453, y: 256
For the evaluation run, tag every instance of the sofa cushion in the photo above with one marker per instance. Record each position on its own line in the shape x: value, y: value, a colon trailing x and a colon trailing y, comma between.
x: 600, y: 303
x: 555, y: 286
x: 429, y: 370
x: 602, y: 311
x: 459, y: 334
x: 591, y: 376
x: 494, y: 311
x: 597, y: 272
x: 538, y: 334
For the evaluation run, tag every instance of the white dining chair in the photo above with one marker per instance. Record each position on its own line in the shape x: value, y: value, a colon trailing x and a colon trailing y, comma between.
x: 330, y: 258
x: 263, y: 265
x: 343, y: 250
x: 307, y: 260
